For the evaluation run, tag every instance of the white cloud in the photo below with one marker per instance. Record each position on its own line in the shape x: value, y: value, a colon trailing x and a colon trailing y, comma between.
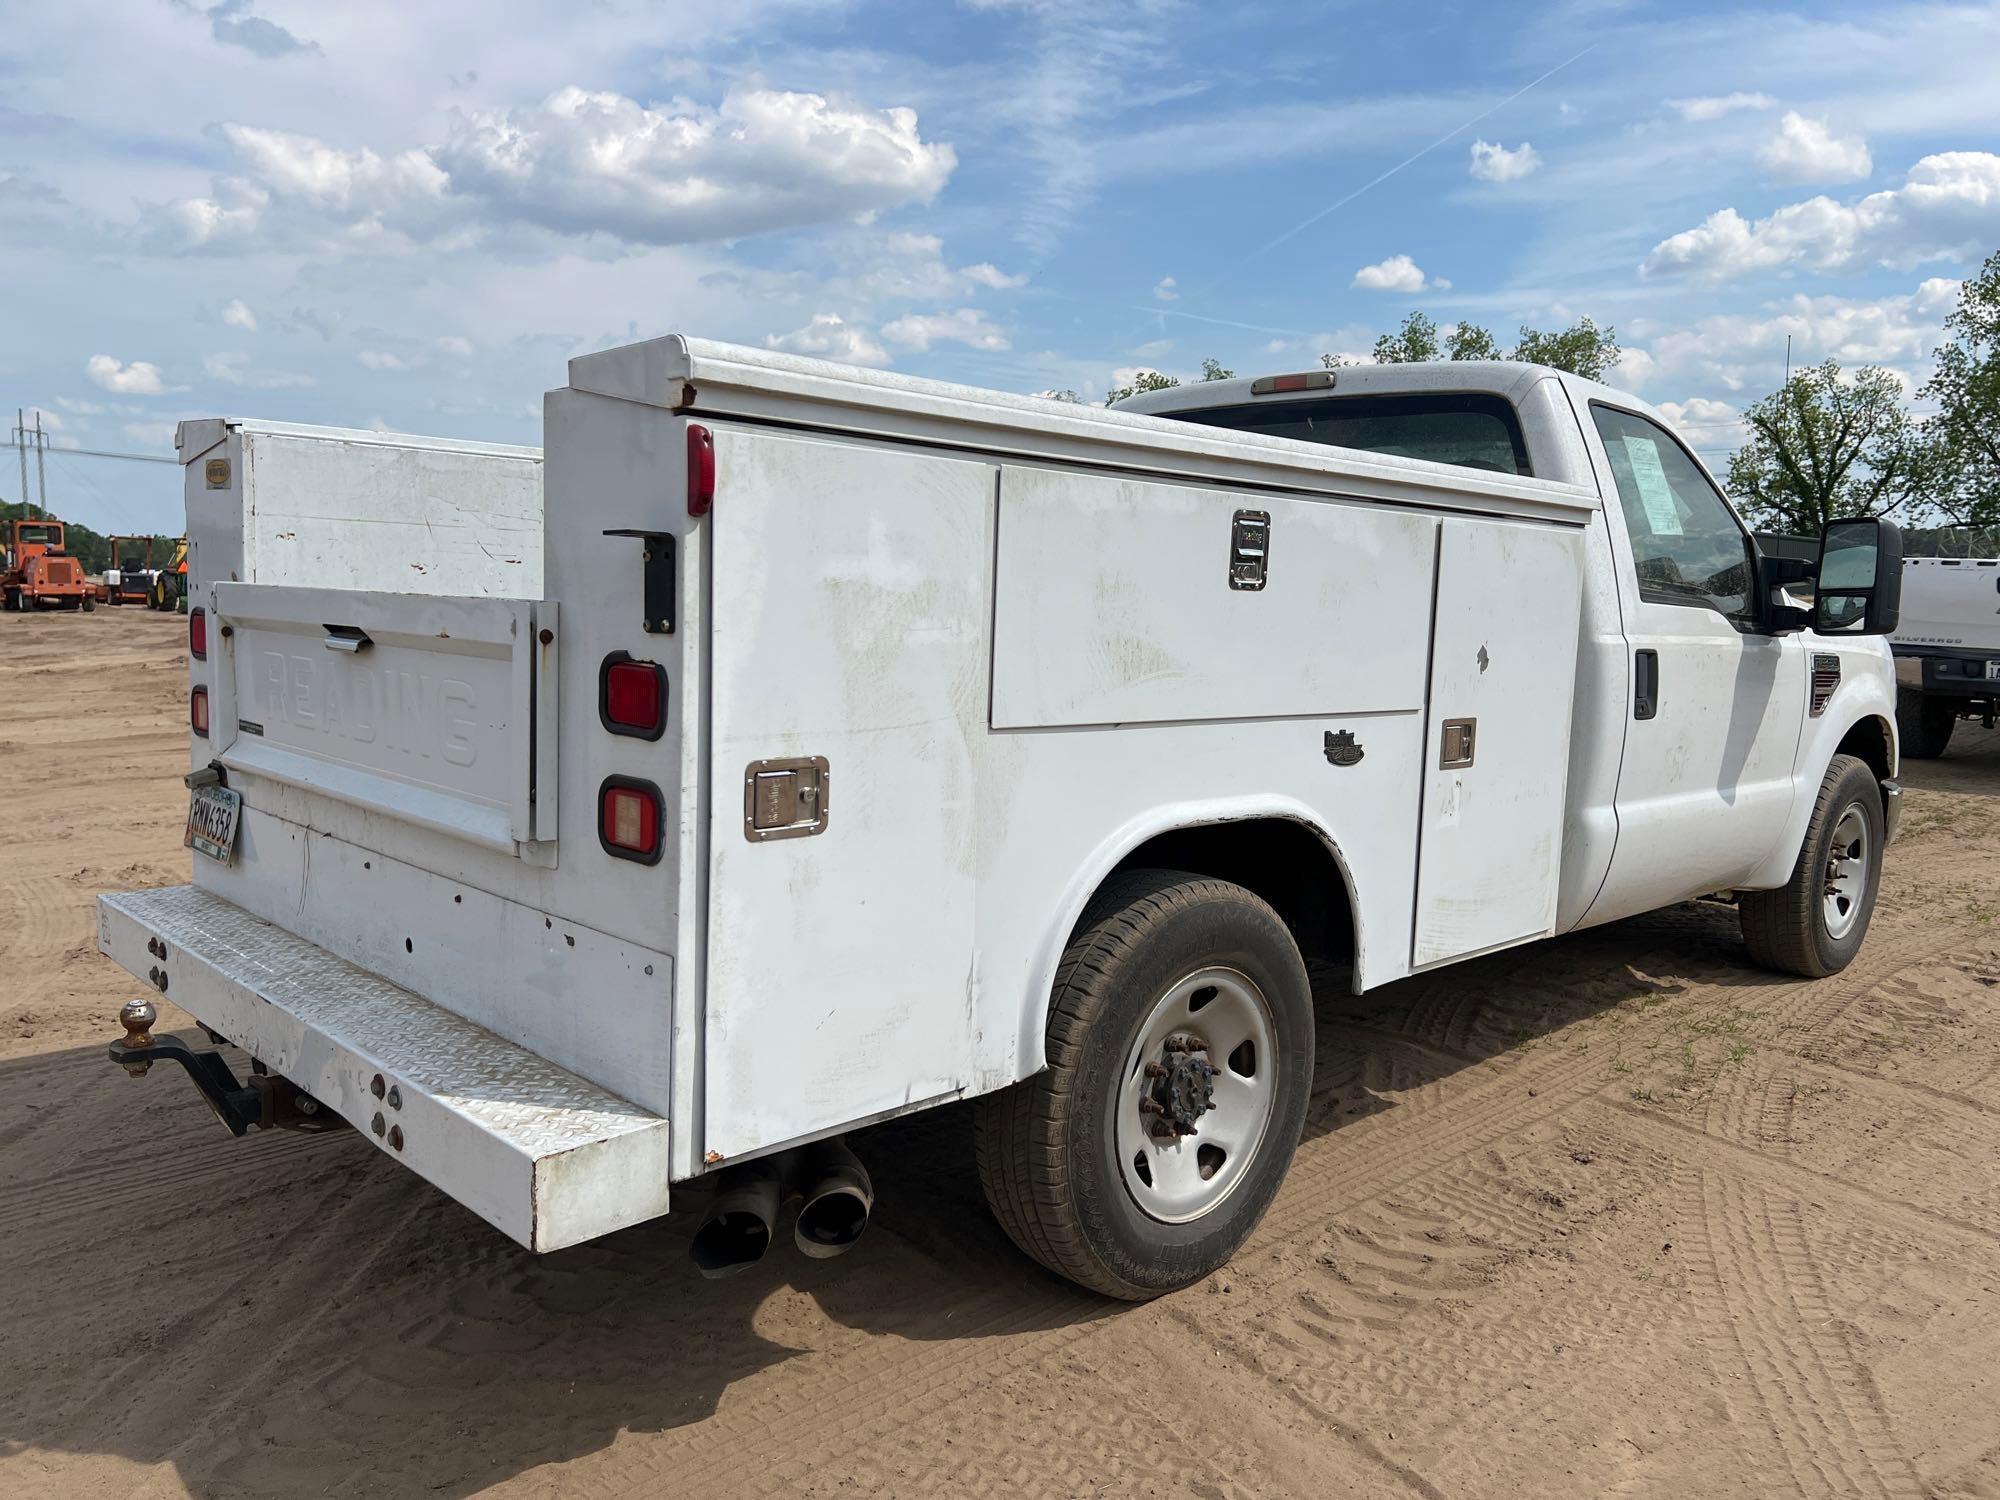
x: 452, y: 344
x: 1807, y: 151
x: 1493, y: 162
x: 968, y: 326
x: 1746, y: 352
x: 1948, y: 207
x: 581, y: 162
x: 136, y: 379
x: 1714, y: 107
x: 1707, y: 424
x: 1166, y: 290
x: 829, y: 336
x: 381, y: 359
x: 1396, y: 274
x: 236, y: 313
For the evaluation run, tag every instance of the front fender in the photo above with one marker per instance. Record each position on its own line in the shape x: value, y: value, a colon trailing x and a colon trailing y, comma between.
x: 1866, y: 692
x: 1031, y: 1036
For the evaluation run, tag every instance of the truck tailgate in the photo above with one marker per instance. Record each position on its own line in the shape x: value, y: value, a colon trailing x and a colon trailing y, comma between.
x: 420, y: 707
x: 538, y: 1152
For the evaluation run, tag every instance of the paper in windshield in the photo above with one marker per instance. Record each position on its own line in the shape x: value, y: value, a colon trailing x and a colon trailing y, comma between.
x: 1663, y: 517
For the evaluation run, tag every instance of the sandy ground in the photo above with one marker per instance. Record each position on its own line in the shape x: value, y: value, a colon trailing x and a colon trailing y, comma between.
x: 1616, y: 1215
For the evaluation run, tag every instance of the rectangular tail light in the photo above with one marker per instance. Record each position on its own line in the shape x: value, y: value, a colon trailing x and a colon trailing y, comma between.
x: 198, y: 634
x: 629, y: 821
x: 198, y: 711
x: 632, y: 696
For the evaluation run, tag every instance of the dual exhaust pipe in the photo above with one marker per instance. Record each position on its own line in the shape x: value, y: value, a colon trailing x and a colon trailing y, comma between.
x: 836, y: 1198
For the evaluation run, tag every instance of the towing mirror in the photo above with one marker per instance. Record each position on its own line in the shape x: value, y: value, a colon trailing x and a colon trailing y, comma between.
x: 1860, y: 585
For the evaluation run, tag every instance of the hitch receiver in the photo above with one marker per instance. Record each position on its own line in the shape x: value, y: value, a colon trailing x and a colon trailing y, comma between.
x: 265, y: 1102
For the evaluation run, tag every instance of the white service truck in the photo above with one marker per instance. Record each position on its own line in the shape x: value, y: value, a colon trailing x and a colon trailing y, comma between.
x: 830, y: 744
x: 1947, y: 647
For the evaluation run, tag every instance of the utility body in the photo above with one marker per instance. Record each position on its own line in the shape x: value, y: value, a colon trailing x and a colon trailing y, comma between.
x: 817, y: 745
x: 1947, y: 647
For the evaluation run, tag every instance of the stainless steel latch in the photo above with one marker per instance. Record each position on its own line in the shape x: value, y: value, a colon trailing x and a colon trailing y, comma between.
x: 784, y: 799
x: 1457, y: 743
x: 1249, y: 549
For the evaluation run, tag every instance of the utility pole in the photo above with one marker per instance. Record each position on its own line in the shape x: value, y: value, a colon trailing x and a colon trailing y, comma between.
x: 41, y: 462
x: 21, y: 447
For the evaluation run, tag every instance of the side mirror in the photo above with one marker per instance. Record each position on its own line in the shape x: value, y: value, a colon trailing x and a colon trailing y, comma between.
x: 1860, y: 587
x: 1775, y: 577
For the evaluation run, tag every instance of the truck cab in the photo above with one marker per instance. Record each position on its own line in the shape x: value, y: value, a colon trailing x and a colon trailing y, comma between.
x: 1707, y: 708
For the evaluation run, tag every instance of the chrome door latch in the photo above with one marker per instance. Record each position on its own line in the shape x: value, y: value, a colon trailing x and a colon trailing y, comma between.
x: 784, y: 799
x: 1249, y: 549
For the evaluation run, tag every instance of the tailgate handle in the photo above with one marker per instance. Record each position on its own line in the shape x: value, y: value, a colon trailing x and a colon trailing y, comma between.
x: 348, y: 638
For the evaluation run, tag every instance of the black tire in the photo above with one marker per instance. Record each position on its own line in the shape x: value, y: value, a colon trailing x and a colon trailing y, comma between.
x: 13, y: 601
x: 1923, y: 724
x: 1787, y: 929
x: 89, y: 603
x: 1048, y: 1157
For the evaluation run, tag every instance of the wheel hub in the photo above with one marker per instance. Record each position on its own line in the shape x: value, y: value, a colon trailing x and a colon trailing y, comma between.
x: 1183, y: 1087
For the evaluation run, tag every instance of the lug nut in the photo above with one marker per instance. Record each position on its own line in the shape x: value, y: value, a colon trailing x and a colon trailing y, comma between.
x: 1150, y: 1106
x: 1156, y: 1070
x: 1161, y: 1130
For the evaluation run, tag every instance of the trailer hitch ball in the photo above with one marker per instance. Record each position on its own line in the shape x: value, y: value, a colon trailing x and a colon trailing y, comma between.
x: 137, y: 1017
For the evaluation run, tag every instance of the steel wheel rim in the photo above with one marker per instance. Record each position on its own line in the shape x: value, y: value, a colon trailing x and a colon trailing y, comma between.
x: 1846, y: 876
x: 1179, y: 1178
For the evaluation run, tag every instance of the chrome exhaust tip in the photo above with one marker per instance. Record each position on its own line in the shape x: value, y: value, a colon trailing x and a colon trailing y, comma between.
x: 839, y: 1197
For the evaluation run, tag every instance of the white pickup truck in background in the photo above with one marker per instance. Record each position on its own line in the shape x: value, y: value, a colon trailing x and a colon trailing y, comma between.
x: 1947, y: 647
x: 829, y: 744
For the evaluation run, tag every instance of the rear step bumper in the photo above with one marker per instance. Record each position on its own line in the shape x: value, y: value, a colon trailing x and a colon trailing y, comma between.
x: 541, y: 1154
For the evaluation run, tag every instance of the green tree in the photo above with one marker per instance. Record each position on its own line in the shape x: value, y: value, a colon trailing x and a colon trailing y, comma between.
x: 1582, y: 349
x: 1145, y: 380
x: 1470, y: 341
x: 1826, y: 446
x: 1212, y: 370
x: 1963, y: 439
x: 1413, y: 343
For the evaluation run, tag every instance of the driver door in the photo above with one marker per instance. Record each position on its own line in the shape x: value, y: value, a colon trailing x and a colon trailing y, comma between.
x: 1706, y: 783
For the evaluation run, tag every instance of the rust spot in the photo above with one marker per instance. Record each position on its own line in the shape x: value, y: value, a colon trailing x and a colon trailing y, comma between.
x: 712, y: 1158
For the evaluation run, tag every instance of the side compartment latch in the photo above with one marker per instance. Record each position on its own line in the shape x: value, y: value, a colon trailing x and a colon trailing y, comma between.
x: 1249, y: 549
x: 784, y: 799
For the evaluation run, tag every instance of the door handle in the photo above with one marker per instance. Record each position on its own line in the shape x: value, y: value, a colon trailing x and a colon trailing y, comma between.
x: 1646, y: 684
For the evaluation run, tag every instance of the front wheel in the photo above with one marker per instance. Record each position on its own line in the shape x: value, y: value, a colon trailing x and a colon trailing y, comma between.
x: 1180, y: 1045
x: 1814, y: 923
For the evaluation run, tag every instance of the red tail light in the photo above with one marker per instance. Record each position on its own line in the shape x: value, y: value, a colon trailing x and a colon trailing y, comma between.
x: 198, y: 634
x: 632, y: 696
x: 701, y: 469
x: 628, y: 819
x: 198, y: 711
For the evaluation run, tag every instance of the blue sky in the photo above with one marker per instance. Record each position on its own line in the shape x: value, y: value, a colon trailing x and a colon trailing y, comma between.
x: 410, y: 215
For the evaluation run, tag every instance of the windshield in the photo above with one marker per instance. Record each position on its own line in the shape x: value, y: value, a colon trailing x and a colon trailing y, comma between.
x: 45, y: 536
x: 1472, y: 431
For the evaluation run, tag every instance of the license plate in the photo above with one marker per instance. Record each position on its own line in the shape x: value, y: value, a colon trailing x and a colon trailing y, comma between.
x: 1993, y: 671
x: 213, y: 812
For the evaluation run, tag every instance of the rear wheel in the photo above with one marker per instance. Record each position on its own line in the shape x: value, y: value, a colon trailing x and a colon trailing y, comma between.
x: 1180, y: 1060
x: 1923, y: 724
x: 1814, y: 923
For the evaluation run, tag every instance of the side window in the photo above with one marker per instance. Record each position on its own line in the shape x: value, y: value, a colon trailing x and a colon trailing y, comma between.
x: 1688, y: 546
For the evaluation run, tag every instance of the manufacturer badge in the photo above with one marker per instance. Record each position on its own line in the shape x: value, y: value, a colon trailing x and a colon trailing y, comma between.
x: 218, y: 473
x: 1341, y: 748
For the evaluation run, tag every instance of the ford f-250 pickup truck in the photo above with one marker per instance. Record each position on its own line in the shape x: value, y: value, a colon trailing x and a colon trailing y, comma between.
x: 828, y: 744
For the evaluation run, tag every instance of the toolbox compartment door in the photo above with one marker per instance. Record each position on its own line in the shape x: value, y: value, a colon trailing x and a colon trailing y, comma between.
x: 436, y: 711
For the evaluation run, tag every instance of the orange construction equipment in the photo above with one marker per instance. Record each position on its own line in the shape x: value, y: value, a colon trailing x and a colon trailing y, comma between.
x: 129, y: 578
x: 170, y: 584
x: 39, y: 574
